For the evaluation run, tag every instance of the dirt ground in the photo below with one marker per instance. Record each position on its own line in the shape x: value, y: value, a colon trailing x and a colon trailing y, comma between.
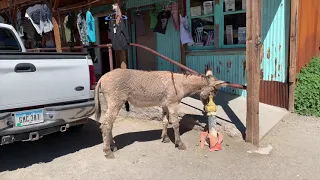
x: 294, y: 153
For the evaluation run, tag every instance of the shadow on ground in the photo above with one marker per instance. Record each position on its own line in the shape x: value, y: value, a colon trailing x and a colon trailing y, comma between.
x: 127, y: 139
x: 223, y: 100
x: 21, y: 155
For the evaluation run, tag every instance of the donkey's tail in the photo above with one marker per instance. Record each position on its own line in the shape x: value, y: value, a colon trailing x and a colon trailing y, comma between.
x: 97, y: 106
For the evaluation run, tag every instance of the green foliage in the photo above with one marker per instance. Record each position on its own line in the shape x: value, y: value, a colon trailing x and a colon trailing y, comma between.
x: 307, y: 94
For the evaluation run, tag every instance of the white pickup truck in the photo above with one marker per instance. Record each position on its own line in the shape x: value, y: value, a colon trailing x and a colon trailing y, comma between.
x: 41, y: 93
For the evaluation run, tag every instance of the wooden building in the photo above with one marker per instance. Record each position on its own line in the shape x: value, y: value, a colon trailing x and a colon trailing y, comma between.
x: 258, y: 43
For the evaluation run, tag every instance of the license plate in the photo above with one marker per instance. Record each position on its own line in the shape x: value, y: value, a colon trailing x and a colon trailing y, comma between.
x: 26, y: 118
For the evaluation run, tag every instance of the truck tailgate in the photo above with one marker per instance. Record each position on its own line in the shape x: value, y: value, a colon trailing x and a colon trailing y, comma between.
x: 54, y: 78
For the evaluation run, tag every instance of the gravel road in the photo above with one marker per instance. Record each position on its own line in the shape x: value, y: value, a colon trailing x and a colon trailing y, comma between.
x: 77, y: 155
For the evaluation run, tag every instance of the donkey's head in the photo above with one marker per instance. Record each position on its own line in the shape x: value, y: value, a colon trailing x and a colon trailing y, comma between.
x: 214, y: 83
x: 213, y: 87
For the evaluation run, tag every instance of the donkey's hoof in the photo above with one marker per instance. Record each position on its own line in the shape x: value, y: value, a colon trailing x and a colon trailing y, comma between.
x: 166, y: 139
x: 181, y: 146
x: 114, y: 149
x: 109, y: 155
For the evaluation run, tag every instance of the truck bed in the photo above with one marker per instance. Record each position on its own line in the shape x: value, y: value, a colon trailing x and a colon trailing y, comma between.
x: 33, y: 79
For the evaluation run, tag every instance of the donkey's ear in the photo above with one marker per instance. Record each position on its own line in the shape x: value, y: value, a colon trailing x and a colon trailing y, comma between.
x: 220, y: 84
x: 209, y: 73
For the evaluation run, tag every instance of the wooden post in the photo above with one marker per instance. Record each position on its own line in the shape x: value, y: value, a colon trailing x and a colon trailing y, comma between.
x: 56, y: 4
x: 56, y: 31
x: 253, y: 59
x: 216, y: 36
x: 293, y: 52
x: 55, y: 21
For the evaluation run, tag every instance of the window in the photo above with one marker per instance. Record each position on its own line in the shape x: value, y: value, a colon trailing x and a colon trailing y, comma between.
x: 8, y: 41
x: 234, y: 20
x: 228, y: 17
x: 202, y: 22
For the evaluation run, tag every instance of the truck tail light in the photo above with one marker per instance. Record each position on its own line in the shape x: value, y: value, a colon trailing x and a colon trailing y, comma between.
x: 92, y: 77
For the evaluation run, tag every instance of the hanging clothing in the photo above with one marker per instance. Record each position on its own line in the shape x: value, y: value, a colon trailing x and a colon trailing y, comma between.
x: 163, y: 18
x: 40, y: 17
x: 153, y: 19
x: 33, y: 13
x: 82, y: 28
x: 2, y: 19
x: 185, y: 35
x: 92, y: 53
x: 46, y: 18
x: 140, y: 27
x: 68, y: 28
x: 91, y: 27
x: 118, y: 35
x: 29, y: 32
x: 19, y: 26
x: 175, y: 15
x: 49, y: 42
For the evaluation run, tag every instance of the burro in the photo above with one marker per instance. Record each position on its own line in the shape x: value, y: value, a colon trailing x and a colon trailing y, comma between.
x: 147, y: 89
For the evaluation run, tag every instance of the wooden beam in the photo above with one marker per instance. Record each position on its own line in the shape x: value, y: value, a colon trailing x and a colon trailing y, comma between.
x: 253, y: 60
x: 56, y: 4
x: 77, y: 6
x: 56, y: 31
x: 293, y: 52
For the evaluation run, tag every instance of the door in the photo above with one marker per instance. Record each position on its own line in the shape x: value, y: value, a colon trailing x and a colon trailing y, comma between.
x: 104, y: 39
x: 145, y: 59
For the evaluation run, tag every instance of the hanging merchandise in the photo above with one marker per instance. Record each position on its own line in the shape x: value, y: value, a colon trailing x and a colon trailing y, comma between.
x: 49, y: 42
x: 68, y: 28
x: 175, y: 16
x: 153, y: 19
x: 33, y: 13
x: 82, y: 28
x: 91, y: 27
x: 163, y: 18
x: 140, y: 27
x: 29, y: 31
x: 117, y: 30
x: 46, y: 18
x: 185, y: 34
x: 19, y: 26
x: 118, y: 35
x: 40, y: 17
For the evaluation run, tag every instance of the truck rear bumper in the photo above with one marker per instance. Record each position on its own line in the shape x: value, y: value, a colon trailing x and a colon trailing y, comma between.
x: 56, y: 118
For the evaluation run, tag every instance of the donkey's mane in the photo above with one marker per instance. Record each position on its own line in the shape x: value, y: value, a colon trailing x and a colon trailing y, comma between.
x: 202, y: 76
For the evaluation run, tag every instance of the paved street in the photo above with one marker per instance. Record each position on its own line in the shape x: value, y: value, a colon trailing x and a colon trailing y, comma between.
x: 78, y: 155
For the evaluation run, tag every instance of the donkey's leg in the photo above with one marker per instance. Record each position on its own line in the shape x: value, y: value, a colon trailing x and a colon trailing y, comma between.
x: 165, y: 119
x: 112, y: 143
x: 173, y: 115
x: 106, y: 128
